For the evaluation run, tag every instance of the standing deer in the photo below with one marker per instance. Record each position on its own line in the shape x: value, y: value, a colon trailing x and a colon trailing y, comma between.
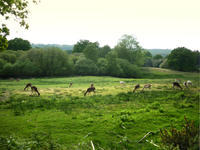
x: 147, y: 86
x: 136, y: 87
x: 70, y: 84
x: 177, y: 85
x: 90, y: 89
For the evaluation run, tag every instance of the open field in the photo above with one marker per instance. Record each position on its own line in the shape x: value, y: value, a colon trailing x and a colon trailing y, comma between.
x: 112, y: 118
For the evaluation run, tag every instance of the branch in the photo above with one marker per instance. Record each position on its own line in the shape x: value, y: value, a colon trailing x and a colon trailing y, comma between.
x: 92, y: 145
x: 144, y: 137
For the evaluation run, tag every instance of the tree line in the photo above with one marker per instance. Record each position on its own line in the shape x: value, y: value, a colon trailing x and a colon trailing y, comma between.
x: 88, y: 58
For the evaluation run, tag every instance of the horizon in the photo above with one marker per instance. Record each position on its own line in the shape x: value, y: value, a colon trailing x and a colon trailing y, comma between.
x: 155, y: 24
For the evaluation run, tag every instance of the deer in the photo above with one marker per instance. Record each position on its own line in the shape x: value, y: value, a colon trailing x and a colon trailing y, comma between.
x: 34, y: 89
x: 70, y: 84
x: 90, y: 89
x: 147, y: 86
x: 177, y: 85
x: 27, y: 85
x: 136, y: 87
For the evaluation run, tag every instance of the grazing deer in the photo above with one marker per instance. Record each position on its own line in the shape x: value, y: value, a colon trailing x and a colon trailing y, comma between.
x: 122, y: 82
x: 27, y: 85
x: 136, y: 87
x: 90, y: 89
x: 70, y: 84
x: 177, y: 85
x: 17, y: 79
x: 189, y: 82
x: 34, y: 89
x: 147, y: 86
x: 185, y: 84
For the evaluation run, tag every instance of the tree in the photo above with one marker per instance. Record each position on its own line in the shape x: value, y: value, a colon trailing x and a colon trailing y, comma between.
x: 104, y: 50
x: 91, y: 51
x: 102, y: 65
x: 85, y: 67
x: 12, y: 9
x: 182, y: 59
x: 80, y: 46
x: 19, y: 44
x: 128, y: 48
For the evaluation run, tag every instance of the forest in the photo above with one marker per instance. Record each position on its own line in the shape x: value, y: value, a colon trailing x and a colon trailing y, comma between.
x: 126, y: 59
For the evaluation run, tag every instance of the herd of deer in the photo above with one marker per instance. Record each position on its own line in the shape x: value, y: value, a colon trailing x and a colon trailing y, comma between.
x: 92, y: 88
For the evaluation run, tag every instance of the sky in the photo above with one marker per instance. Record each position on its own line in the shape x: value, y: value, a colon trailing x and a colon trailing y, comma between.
x: 165, y: 24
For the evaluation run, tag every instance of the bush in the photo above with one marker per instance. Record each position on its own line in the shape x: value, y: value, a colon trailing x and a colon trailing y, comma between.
x: 186, y: 138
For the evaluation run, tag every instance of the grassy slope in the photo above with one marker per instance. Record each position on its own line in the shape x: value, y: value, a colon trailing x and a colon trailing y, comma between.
x: 113, y: 117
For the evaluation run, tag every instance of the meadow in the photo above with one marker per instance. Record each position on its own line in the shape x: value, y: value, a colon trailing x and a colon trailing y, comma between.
x: 112, y: 118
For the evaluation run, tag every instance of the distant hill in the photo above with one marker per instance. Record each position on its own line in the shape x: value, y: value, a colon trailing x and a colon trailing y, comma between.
x: 63, y: 47
x: 163, y: 52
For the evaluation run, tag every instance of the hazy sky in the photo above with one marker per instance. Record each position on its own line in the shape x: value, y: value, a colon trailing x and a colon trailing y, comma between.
x: 154, y: 23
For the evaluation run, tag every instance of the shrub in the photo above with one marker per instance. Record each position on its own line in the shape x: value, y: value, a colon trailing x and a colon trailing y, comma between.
x: 186, y: 138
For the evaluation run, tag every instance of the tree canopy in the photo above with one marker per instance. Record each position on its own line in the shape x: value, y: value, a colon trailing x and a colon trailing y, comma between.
x: 183, y: 59
x: 17, y: 9
x: 19, y: 44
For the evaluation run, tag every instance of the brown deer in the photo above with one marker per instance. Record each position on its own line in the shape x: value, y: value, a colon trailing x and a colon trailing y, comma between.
x: 27, y: 85
x: 136, y: 87
x: 147, y: 86
x: 177, y: 85
x: 90, y: 89
x: 70, y: 84
x: 185, y: 84
x: 34, y: 89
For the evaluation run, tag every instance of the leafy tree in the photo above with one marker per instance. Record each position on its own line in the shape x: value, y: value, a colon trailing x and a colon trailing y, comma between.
x: 102, y: 65
x: 182, y: 59
x: 19, y: 44
x: 158, y: 56
x: 91, y: 51
x: 104, y: 50
x: 85, y: 67
x: 80, y: 46
x: 128, y: 69
x: 113, y: 68
x: 148, y: 59
x: 12, y: 9
x: 128, y: 48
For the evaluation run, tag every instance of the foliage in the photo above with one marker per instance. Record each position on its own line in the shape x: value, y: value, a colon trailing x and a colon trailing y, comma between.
x: 85, y: 67
x: 183, y: 59
x: 19, y: 44
x: 12, y: 8
x: 104, y: 50
x: 91, y: 51
x: 80, y: 46
x: 186, y: 138
x: 128, y: 48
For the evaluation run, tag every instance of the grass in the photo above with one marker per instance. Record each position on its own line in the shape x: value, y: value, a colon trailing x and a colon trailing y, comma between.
x: 112, y: 118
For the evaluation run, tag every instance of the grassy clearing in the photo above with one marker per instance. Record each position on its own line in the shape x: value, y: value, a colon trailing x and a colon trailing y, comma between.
x: 112, y: 118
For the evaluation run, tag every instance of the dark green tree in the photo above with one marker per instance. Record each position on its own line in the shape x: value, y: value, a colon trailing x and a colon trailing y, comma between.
x: 85, y: 67
x: 102, y: 65
x: 91, y: 51
x: 12, y: 9
x: 182, y: 59
x: 104, y: 50
x: 19, y: 44
x: 80, y: 46
x: 128, y: 48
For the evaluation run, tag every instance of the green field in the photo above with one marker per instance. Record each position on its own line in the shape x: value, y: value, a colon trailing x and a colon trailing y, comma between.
x: 112, y: 118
